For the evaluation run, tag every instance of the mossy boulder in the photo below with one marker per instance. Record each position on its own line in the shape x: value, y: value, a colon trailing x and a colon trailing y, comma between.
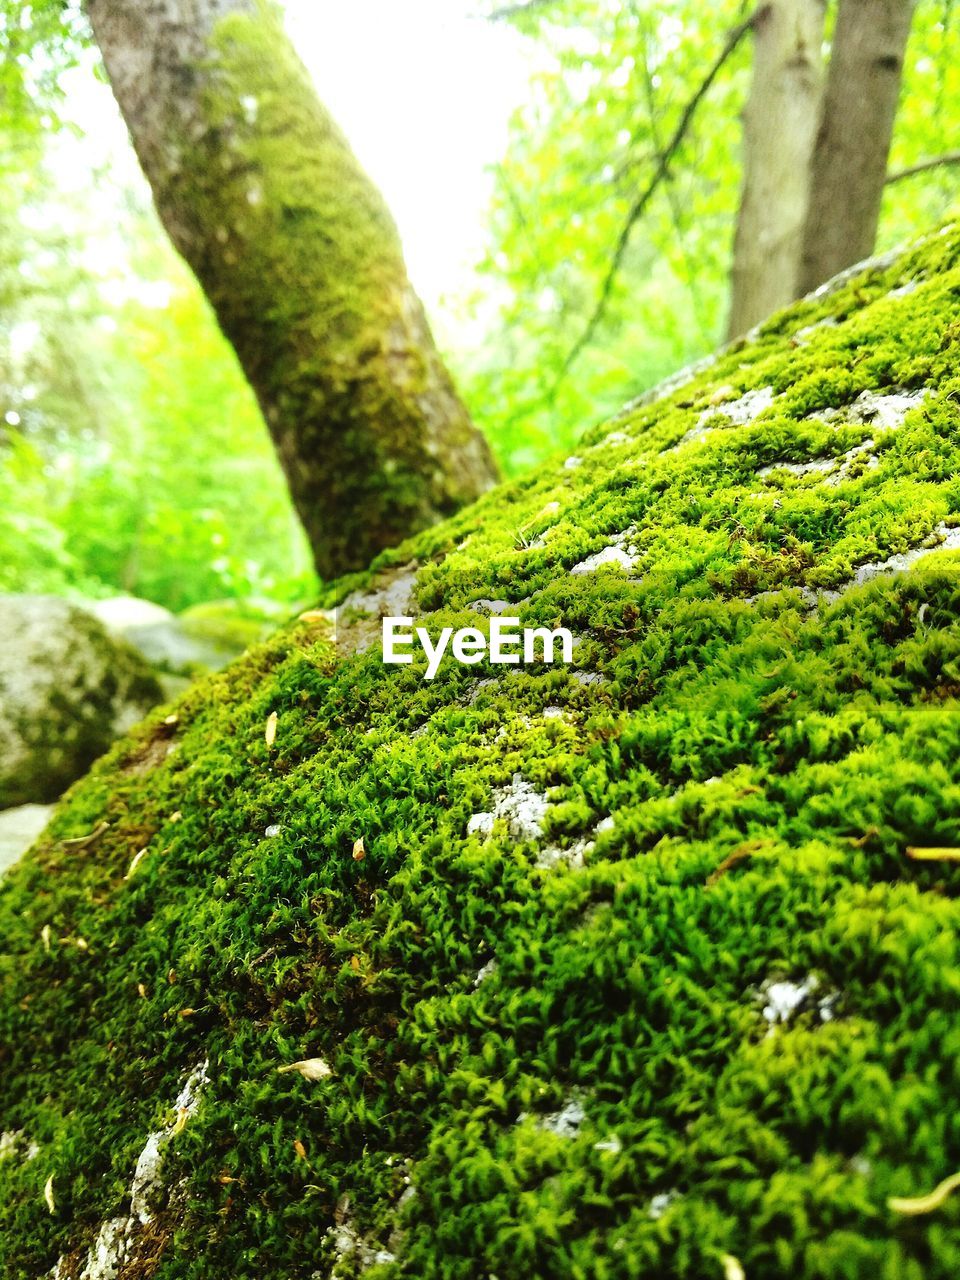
x: 67, y: 690
x: 646, y: 966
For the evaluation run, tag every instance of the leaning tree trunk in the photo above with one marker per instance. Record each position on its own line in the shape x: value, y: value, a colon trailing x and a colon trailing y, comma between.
x: 850, y: 158
x: 779, y: 129
x: 302, y: 263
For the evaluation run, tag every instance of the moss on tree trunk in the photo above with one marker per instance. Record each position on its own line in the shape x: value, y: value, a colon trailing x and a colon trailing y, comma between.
x: 300, y: 258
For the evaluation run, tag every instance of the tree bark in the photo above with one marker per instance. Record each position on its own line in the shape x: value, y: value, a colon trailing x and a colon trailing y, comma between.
x: 853, y: 143
x: 302, y: 263
x: 779, y: 130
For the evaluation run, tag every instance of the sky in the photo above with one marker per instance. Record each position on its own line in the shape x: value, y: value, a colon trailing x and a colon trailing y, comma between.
x: 424, y: 92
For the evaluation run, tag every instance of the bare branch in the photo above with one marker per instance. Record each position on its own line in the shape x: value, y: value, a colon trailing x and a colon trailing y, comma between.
x: 639, y: 206
x: 948, y: 157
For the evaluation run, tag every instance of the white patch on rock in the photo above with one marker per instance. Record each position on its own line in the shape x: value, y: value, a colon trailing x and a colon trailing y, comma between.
x: 393, y: 599
x: 619, y: 551
x: 250, y: 107
x: 612, y: 554
x: 661, y: 1202
x: 949, y: 541
x: 115, y: 1239
x: 566, y: 1122
x: 10, y: 1141
x: 147, y: 1179
x: 835, y: 470
x: 272, y: 830
x: 486, y: 971
x: 782, y: 999
x: 886, y: 411
x: 553, y: 856
x: 523, y: 807
x: 109, y: 1251
x: 588, y: 677
x: 349, y: 1246
x: 494, y: 606
x: 741, y: 411
x: 571, y: 463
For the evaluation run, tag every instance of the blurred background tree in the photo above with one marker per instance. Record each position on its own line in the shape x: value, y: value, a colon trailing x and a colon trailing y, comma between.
x: 132, y: 455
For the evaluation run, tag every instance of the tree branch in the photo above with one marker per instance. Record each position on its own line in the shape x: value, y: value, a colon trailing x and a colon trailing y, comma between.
x: 897, y: 175
x: 639, y: 206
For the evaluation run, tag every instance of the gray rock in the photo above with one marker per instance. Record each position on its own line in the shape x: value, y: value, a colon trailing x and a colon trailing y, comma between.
x: 18, y: 829
x: 167, y: 642
x: 67, y: 689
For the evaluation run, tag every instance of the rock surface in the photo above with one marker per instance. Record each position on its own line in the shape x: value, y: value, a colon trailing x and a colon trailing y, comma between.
x: 66, y: 691
x: 644, y: 966
x: 171, y: 644
x: 19, y: 828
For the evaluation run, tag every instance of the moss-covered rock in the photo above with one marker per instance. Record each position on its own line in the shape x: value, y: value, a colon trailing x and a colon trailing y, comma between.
x: 67, y: 689
x: 643, y: 966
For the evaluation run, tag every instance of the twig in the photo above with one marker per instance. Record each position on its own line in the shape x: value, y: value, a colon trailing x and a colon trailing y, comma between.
x: 638, y: 208
x: 948, y: 157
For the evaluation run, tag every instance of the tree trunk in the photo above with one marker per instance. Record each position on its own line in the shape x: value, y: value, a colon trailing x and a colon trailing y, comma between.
x: 302, y: 263
x: 779, y: 130
x: 853, y: 143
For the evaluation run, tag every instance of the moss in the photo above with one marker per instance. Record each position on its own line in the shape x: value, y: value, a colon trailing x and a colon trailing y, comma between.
x: 576, y: 1060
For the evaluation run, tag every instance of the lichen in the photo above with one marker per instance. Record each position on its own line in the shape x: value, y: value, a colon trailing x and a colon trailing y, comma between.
x: 750, y: 760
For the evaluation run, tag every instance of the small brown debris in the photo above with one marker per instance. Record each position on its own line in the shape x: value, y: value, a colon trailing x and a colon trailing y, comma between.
x: 300, y: 1149
x: 175, y: 817
x: 270, y: 733
x: 141, y: 991
x: 186, y: 1013
x: 859, y: 841
x: 359, y: 853
x: 741, y: 852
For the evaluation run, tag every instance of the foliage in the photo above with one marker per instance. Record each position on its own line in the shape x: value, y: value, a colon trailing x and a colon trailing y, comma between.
x: 133, y: 458
x: 731, y: 778
x: 617, y: 78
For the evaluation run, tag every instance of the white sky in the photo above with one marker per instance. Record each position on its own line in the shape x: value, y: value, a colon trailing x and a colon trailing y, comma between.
x: 423, y: 91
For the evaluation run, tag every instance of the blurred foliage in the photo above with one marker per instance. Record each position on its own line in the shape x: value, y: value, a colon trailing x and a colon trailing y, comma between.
x: 132, y: 456
x: 616, y: 77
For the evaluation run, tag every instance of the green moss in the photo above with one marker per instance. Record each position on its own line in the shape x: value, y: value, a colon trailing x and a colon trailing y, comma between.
x: 750, y: 766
